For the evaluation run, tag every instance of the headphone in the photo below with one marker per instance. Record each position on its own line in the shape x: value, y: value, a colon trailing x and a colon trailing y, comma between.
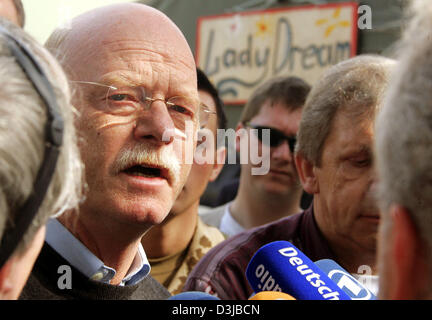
x: 53, y: 140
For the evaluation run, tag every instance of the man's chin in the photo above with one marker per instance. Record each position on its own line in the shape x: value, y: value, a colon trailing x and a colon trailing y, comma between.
x: 146, y: 213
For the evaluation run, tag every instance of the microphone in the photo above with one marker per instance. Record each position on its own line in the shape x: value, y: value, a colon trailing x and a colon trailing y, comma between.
x: 280, y: 266
x: 344, y: 280
x: 193, y: 295
x: 271, y: 295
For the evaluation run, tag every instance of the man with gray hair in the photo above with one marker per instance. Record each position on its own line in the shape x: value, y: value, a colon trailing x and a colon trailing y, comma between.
x: 333, y: 157
x: 403, y: 156
x: 40, y: 167
x: 135, y: 85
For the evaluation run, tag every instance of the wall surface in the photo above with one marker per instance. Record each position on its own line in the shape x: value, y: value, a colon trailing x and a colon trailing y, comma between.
x: 43, y: 16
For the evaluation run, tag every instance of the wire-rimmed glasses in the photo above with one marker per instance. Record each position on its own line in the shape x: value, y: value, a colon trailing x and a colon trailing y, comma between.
x: 126, y: 100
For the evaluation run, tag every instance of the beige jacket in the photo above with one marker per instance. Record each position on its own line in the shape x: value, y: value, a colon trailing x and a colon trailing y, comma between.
x: 205, y: 238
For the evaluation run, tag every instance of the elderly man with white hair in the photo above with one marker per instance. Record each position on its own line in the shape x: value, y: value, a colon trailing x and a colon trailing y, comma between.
x: 403, y: 156
x: 135, y: 85
x: 40, y: 167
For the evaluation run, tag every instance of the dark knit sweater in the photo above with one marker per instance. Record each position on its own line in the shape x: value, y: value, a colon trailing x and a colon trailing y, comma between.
x: 42, y: 284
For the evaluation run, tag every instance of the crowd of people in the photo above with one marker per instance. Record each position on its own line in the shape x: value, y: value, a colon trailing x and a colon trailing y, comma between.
x: 97, y: 203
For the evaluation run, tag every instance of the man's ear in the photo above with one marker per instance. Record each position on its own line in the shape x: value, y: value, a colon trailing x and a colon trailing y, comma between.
x: 408, y: 255
x: 219, y: 163
x: 5, y: 279
x: 306, y: 174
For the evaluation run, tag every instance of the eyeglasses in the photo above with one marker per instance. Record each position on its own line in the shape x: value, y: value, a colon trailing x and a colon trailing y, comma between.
x: 125, y: 101
x: 277, y: 137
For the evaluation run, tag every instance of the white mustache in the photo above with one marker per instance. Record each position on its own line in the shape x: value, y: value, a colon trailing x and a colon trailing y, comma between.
x: 144, y: 155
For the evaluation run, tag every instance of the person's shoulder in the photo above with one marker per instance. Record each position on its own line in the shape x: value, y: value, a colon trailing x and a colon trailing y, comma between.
x: 43, y: 281
x: 212, y: 233
x: 243, y: 244
x: 221, y: 270
x: 248, y: 242
x: 150, y: 289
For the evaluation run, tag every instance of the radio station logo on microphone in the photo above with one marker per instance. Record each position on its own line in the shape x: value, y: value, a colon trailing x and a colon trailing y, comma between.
x: 314, y: 279
x: 344, y: 280
x: 267, y: 282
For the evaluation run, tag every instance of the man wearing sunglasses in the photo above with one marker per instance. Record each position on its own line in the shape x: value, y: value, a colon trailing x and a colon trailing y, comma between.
x: 269, y: 122
x: 334, y: 159
x: 135, y: 85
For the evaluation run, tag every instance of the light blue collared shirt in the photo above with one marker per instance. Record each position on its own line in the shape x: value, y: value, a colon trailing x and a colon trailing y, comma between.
x: 73, y: 251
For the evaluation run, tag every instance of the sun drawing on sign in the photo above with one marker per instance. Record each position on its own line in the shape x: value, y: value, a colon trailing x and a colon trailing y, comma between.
x: 332, y: 25
x: 262, y: 27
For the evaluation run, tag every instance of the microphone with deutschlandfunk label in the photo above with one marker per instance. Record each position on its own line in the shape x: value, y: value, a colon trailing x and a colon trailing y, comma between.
x: 280, y: 266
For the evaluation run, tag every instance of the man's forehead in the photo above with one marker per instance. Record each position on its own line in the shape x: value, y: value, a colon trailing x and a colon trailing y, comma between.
x: 131, y: 62
x: 280, y: 115
x: 126, y: 30
x: 352, y: 132
x: 135, y: 66
x: 156, y: 51
x: 360, y: 119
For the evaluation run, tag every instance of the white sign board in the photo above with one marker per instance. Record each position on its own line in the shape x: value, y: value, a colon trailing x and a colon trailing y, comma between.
x: 241, y: 51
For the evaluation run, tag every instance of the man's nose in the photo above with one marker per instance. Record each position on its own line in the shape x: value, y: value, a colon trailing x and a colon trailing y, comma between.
x: 154, y: 123
x: 282, y: 152
x: 373, y: 180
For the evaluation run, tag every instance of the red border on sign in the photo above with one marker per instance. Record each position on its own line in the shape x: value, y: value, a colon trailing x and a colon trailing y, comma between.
x: 353, y: 5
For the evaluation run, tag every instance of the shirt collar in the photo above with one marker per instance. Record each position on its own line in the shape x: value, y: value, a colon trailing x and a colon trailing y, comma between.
x: 229, y: 225
x: 81, y: 258
x: 312, y: 240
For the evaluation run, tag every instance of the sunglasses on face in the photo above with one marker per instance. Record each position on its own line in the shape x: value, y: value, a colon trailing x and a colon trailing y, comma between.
x: 277, y: 137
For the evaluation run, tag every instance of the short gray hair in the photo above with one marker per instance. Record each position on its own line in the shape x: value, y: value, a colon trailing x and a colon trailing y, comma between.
x: 355, y: 85
x: 22, y: 138
x: 404, y: 127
